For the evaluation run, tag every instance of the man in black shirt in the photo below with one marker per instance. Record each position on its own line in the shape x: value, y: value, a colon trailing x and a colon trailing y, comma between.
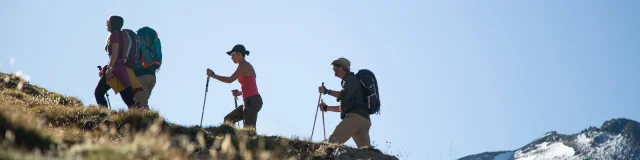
x: 355, y: 117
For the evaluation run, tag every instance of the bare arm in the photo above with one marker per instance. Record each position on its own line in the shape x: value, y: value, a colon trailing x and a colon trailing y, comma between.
x: 329, y: 108
x: 349, y: 87
x: 233, y: 77
x: 333, y: 108
x: 334, y: 93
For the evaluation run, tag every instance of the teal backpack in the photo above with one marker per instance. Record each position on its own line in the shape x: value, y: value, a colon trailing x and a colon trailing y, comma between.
x: 150, y: 48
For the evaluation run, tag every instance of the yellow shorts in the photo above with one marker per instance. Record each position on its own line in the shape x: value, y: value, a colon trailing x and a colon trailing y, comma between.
x: 118, y: 87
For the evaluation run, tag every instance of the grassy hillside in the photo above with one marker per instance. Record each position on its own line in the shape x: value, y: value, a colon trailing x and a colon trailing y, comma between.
x: 38, y: 124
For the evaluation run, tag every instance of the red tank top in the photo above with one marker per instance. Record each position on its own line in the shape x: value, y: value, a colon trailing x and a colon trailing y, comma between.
x: 248, y: 86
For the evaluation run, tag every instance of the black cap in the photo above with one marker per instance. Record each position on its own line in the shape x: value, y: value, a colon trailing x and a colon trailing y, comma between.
x: 238, y: 48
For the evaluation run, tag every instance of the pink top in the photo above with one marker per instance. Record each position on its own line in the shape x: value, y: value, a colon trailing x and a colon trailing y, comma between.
x: 116, y: 37
x: 248, y: 86
x: 119, y: 70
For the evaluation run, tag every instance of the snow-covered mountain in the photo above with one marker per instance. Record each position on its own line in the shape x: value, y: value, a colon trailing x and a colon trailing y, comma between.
x: 616, y: 139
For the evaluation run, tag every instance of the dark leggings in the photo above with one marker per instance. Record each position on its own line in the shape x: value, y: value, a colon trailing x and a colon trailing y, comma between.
x: 248, y: 113
x: 102, y: 88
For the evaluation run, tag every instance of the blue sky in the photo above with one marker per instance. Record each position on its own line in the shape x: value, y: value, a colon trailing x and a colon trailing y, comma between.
x: 456, y: 77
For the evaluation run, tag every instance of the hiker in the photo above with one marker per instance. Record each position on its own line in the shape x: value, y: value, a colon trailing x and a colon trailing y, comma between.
x: 116, y: 75
x: 246, y: 75
x: 355, y: 117
x: 151, y: 59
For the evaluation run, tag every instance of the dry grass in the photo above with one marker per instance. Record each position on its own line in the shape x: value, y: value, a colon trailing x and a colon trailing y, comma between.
x: 38, y: 124
x: 24, y: 131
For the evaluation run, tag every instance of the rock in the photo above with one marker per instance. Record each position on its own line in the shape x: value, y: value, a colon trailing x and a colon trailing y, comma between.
x: 345, y: 157
x: 362, y: 154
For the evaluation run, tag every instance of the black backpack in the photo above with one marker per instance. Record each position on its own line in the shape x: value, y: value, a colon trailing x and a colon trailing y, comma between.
x: 131, y: 49
x: 370, y: 90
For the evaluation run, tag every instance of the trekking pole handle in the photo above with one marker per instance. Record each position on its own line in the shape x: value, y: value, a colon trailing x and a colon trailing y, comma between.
x: 321, y: 100
x: 207, y: 85
x: 235, y: 92
x: 100, y: 70
x: 324, y: 108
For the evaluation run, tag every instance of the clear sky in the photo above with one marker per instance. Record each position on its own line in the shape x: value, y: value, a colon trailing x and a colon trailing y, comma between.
x: 456, y: 77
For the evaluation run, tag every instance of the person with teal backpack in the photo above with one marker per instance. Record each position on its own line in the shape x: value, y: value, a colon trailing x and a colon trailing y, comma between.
x: 150, y: 62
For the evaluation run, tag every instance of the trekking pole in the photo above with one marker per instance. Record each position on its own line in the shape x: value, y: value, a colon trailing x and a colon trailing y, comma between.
x: 206, y: 89
x: 235, y: 98
x: 316, y: 117
x: 324, y: 129
x: 108, y: 103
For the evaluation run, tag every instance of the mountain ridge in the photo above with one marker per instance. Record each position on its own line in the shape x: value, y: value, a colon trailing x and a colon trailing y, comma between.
x: 616, y: 138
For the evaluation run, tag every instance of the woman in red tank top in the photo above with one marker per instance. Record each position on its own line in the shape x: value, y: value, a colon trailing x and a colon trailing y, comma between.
x: 246, y: 75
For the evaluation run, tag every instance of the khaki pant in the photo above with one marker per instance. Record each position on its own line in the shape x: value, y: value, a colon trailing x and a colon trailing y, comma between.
x: 142, y: 97
x: 353, y: 125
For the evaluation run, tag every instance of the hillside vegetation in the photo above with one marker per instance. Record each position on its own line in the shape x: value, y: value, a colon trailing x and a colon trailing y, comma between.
x: 39, y: 124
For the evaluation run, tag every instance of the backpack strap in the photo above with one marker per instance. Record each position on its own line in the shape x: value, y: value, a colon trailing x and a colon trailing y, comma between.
x: 150, y: 47
x: 121, y: 59
x: 129, y: 46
